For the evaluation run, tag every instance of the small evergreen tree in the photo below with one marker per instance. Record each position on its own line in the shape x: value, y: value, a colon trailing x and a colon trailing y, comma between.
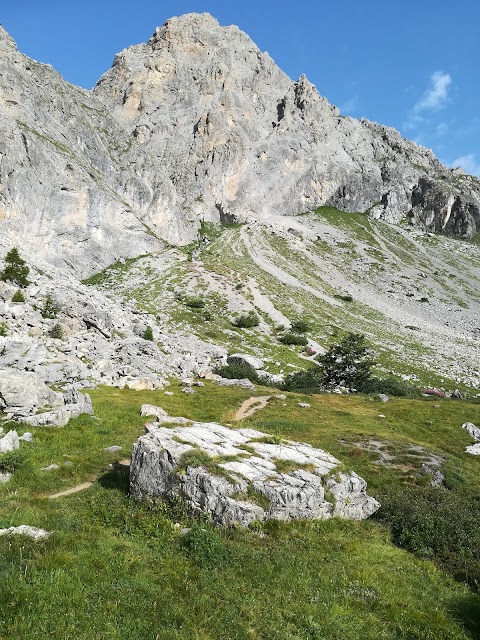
x: 50, y: 308
x: 148, y: 334
x: 347, y: 363
x: 18, y: 296
x: 15, y: 269
x: 3, y: 329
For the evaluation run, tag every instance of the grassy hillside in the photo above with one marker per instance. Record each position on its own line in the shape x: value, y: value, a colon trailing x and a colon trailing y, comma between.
x: 416, y: 297
x: 117, y: 569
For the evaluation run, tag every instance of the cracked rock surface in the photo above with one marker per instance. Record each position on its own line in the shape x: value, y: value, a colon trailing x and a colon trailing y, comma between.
x: 253, y: 478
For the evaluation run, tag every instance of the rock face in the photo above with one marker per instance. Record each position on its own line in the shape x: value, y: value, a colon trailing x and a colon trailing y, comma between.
x: 472, y: 430
x: 197, y: 124
x: 246, y: 476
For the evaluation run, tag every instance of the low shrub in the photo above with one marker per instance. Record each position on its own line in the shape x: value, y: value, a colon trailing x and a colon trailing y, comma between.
x: 300, y: 326
x: 438, y: 524
x: 148, y: 334
x: 391, y: 386
x: 247, y: 321
x: 305, y: 381
x: 12, y: 461
x: 239, y: 372
x: 18, y: 296
x: 56, y: 332
x: 194, y: 303
x: 294, y: 338
x: 3, y: 329
x: 203, y: 545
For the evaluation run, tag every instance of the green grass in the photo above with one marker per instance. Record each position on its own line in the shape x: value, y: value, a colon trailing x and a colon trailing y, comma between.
x: 117, y: 569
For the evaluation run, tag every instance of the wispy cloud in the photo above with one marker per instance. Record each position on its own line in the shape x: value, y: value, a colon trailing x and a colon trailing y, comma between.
x: 434, y: 98
x: 469, y: 163
x: 436, y: 95
x: 349, y: 106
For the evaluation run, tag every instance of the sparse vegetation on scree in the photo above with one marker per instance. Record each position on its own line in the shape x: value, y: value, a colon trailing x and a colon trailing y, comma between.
x: 115, y: 568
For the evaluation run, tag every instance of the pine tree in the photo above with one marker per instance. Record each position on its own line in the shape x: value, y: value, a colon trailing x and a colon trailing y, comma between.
x: 50, y: 308
x: 15, y: 269
x: 347, y: 363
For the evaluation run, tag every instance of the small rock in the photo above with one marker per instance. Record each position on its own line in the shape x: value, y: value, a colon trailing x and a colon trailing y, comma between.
x: 188, y: 390
x: 280, y: 396
x: 457, y: 394
x: 304, y: 405
x: 150, y: 410
x: 198, y: 383
x: 383, y: 398
x: 10, y: 442
x: 68, y: 463
x: 380, y: 415
x: 26, y: 530
x: 51, y: 467
x: 26, y: 437
x: 113, y: 449
x: 5, y: 477
x: 169, y: 393
x: 472, y: 430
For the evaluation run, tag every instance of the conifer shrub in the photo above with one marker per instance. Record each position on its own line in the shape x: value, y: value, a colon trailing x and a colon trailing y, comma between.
x: 3, y: 329
x: 239, y: 371
x: 15, y: 269
x: 18, y: 296
x: 300, y: 326
x: 148, y: 334
x: 56, y: 332
x: 50, y: 308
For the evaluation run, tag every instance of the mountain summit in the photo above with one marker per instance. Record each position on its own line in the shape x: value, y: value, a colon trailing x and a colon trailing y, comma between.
x: 196, y: 124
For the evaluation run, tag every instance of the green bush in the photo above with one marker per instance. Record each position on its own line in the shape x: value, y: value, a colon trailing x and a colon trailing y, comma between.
x: 300, y: 326
x: 50, y: 308
x: 247, y: 321
x: 3, y: 329
x: 306, y: 381
x: 438, y: 524
x: 294, y: 338
x: 15, y: 269
x: 148, y: 334
x: 203, y: 546
x: 391, y: 386
x: 194, y: 303
x: 12, y: 461
x: 56, y: 332
x: 18, y: 296
x: 239, y: 372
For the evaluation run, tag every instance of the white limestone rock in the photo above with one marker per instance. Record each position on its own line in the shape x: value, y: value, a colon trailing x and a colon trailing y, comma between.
x: 472, y: 430
x: 9, y: 442
x: 226, y: 496
x: 26, y: 530
x: 244, y: 358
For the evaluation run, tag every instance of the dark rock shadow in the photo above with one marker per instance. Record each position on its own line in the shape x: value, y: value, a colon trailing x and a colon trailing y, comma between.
x: 118, y: 478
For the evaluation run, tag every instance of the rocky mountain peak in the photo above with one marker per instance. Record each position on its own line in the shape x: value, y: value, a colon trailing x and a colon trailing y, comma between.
x: 6, y: 40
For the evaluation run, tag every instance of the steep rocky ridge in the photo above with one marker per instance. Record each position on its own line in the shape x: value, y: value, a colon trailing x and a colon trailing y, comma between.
x: 197, y: 124
x: 242, y: 141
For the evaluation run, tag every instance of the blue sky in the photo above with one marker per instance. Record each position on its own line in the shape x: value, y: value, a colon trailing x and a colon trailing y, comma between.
x: 413, y: 65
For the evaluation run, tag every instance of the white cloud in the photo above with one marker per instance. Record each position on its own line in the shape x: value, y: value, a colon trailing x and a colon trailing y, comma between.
x: 441, y: 129
x: 468, y: 163
x: 436, y: 95
x: 350, y: 105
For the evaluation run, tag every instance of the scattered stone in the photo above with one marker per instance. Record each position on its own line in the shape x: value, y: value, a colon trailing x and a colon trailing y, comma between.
x: 156, y: 471
x: 9, y: 442
x: 304, y: 405
x: 198, y: 383
x: 26, y: 437
x: 55, y: 418
x: 383, y: 398
x: 169, y: 393
x: 5, y: 477
x: 457, y: 394
x: 472, y: 430
x: 149, y: 410
x: 51, y: 467
x: 280, y: 396
x: 381, y: 415
x: 188, y: 390
x: 68, y: 463
x: 113, y: 449
x: 474, y: 449
x: 26, y: 530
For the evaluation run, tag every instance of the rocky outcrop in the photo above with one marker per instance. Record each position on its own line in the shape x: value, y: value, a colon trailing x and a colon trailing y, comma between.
x: 240, y: 476
x: 474, y: 432
x: 26, y: 530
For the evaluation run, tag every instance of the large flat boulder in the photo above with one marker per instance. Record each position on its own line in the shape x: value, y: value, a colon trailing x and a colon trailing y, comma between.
x: 237, y: 476
x: 22, y: 392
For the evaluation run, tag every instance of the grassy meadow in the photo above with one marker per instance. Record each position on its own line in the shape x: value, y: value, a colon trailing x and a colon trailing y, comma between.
x: 118, y: 569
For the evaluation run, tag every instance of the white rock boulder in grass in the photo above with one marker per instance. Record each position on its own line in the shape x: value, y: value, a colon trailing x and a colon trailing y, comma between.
x: 248, y: 483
